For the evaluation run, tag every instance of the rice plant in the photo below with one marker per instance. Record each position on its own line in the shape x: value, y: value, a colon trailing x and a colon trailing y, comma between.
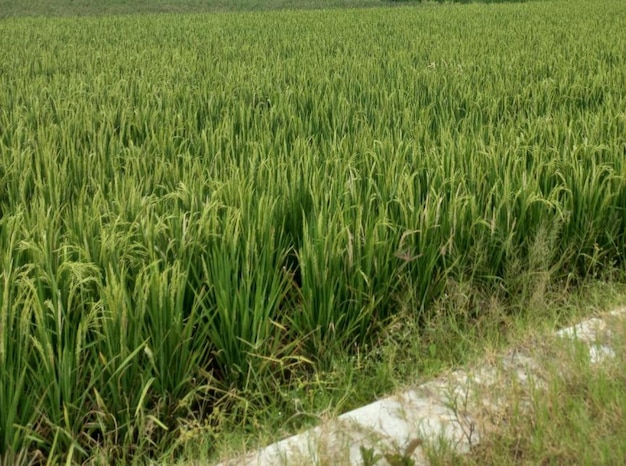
x: 192, y: 205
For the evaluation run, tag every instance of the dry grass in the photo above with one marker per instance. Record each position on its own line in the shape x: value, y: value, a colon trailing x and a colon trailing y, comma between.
x: 571, y: 412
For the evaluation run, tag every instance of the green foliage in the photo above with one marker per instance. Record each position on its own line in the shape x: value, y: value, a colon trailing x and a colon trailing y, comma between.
x: 194, y: 207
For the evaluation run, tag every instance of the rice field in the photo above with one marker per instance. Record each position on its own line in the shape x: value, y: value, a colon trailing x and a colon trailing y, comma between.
x: 189, y: 203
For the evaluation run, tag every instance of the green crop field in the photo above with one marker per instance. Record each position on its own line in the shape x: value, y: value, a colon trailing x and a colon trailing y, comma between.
x: 190, y: 203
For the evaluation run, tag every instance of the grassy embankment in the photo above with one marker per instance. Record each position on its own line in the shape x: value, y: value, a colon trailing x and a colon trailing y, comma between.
x: 202, y: 216
x: 124, y: 7
x: 571, y: 413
